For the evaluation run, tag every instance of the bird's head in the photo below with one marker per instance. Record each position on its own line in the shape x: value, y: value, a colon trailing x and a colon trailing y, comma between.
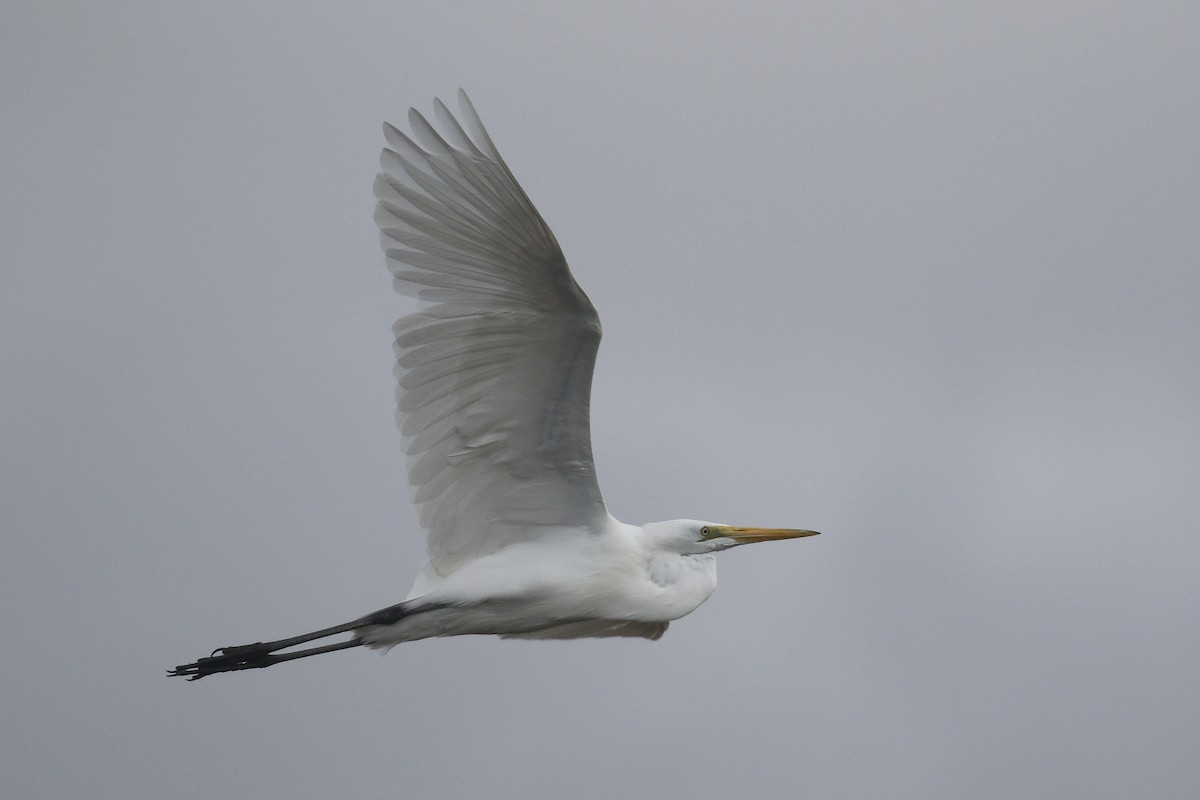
x: 692, y: 537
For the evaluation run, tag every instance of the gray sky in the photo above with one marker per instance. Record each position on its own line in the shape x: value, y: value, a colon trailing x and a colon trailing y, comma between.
x: 922, y: 276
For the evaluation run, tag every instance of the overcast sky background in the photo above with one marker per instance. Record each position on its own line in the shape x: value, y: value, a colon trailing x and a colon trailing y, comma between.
x: 922, y: 276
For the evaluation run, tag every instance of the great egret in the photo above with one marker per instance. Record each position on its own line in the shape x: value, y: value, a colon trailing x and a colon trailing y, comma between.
x: 494, y: 376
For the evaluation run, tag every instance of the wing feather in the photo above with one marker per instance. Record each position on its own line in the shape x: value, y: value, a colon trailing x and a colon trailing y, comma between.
x: 494, y: 371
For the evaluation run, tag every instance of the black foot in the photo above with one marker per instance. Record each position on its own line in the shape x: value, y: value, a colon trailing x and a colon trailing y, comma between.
x: 246, y: 656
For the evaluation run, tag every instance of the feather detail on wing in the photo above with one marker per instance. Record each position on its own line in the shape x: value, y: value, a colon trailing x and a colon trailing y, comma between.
x: 494, y: 371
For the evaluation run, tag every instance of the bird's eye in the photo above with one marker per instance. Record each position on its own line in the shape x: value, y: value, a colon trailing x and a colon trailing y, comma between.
x: 705, y: 531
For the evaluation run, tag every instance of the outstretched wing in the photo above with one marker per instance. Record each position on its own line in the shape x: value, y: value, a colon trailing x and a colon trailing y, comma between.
x: 494, y: 371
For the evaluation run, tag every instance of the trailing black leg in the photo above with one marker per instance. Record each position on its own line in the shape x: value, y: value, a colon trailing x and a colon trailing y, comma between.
x: 265, y: 654
x: 250, y: 656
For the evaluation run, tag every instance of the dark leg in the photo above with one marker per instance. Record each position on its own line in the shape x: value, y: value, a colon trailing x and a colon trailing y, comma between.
x: 250, y: 656
x: 264, y: 654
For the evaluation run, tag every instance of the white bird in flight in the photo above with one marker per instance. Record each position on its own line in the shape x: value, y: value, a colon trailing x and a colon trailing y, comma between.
x: 494, y: 376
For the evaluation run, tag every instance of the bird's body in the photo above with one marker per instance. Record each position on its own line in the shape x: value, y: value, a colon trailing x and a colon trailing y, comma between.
x: 494, y: 379
x: 563, y: 585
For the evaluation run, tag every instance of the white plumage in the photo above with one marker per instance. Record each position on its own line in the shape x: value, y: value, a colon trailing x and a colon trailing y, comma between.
x: 494, y: 373
x: 494, y: 376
